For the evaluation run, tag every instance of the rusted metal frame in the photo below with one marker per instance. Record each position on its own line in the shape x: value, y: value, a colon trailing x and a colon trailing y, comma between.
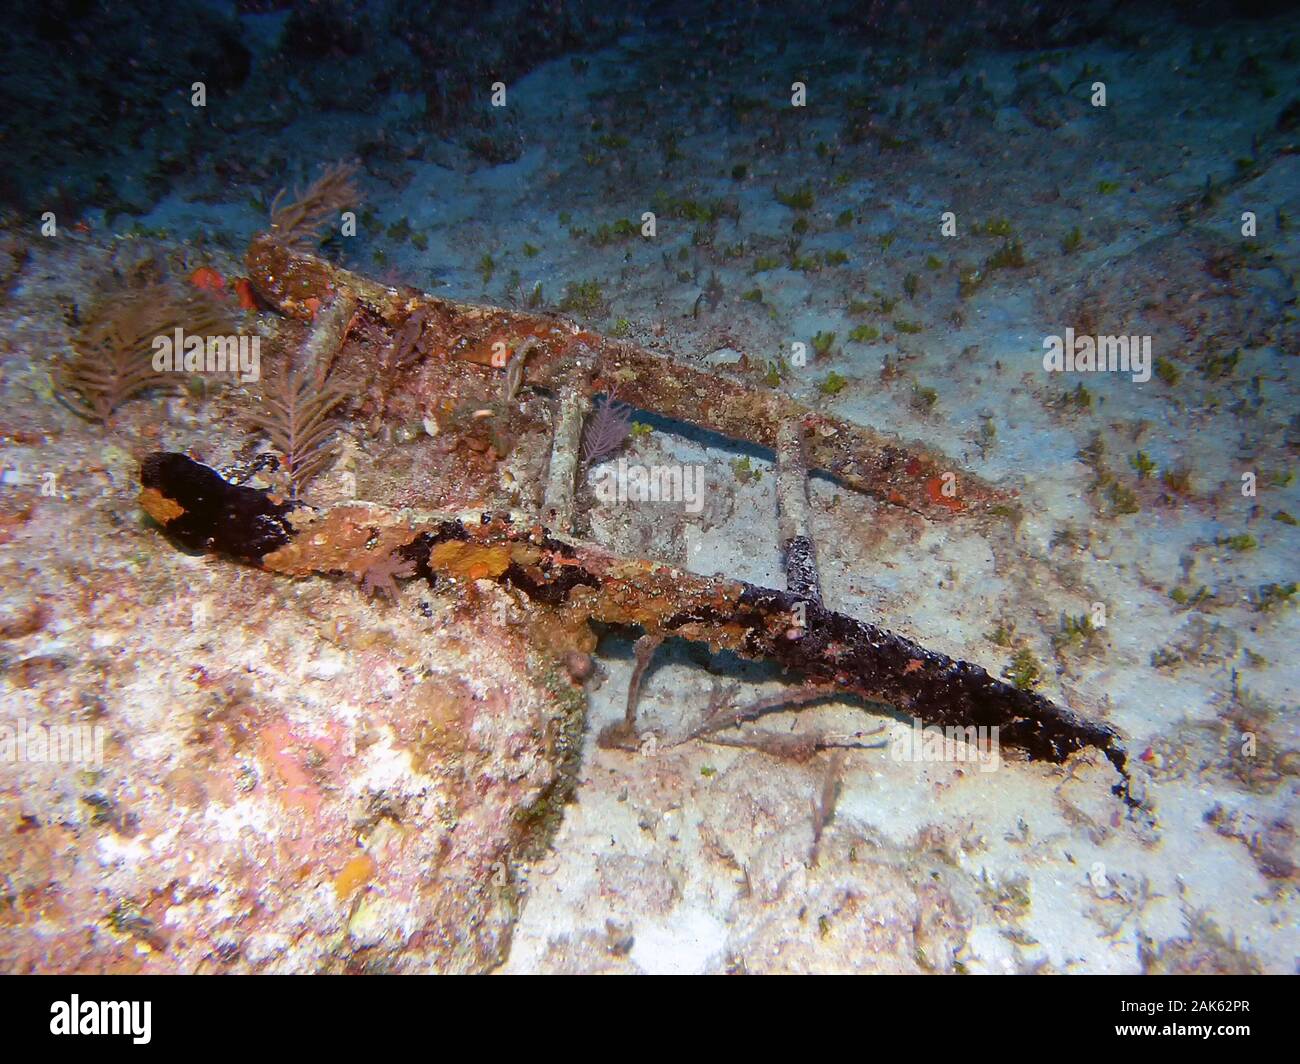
x: 903, y: 474
x: 201, y: 511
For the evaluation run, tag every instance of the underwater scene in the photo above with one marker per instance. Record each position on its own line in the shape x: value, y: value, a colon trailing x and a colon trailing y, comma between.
x: 674, y: 488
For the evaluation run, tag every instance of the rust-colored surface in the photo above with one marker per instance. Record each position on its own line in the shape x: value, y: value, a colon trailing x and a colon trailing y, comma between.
x: 896, y: 472
x: 585, y: 582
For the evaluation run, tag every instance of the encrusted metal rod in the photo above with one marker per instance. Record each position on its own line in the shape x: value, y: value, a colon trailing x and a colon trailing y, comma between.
x: 907, y: 475
x: 326, y: 335
x: 801, y: 576
x: 562, y: 474
x: 623, y: 735
x: 204, y: 512
x: 572, y: 408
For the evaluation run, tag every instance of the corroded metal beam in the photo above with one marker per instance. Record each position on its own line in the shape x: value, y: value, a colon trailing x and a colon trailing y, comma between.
x: 587, y: 582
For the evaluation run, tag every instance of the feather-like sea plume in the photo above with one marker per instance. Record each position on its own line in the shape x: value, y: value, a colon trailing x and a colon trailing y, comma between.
x: 113, y: 358
x: 407, y: 346
x: 297, y: 412
x: 297, y: 223
x: 606, y: 430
